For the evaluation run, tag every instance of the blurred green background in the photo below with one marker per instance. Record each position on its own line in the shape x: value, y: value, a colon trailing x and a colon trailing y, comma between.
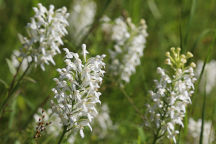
x: 189, y: 24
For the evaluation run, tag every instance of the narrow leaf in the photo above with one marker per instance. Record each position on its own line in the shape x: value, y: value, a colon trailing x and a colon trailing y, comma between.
x: 30, y: 79
x: 11, y: 67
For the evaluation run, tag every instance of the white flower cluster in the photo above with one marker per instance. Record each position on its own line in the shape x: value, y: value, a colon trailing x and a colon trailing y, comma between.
x: 103, y: 123
x: 129, y: 45
x: 81, y: 17
x: 195, y: 129
x: 172, y: 95
x: 45, y: 31
x: 76, y: 93
x: 208, y: 80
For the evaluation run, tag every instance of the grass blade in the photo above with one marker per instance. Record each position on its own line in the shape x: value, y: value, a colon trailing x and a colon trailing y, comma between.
x: 203, y: 116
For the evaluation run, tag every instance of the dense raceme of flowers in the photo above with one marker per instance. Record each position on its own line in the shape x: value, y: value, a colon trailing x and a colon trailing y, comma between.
x: 45, y: 31
x: 171, y: 95
x: 76, y: 93
x: 208, y: 80
x: 194, y: 128
x: 81, y: 17
x: 128, y: 48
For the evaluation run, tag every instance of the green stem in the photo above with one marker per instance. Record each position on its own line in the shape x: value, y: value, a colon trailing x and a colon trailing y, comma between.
x: 207, y: 58
x: 132, y: 103
x: 179, y: 136
x: 21, y: 78
x: 62, y: 135
x: 156, y: 136
x: 14, y: 78
x: 13, y: 88
x: 203, y: 116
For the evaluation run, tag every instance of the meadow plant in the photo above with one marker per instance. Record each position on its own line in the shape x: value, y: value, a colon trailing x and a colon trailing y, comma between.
x: 76, y: 93
x: 41, y: 44
x: 171, y: 95
x: 129, y: 45
x: 45, y: 33
x: 75, y: 105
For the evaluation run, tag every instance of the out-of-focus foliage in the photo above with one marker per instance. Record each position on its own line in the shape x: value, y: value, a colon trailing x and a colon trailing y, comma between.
x: 188, y: 24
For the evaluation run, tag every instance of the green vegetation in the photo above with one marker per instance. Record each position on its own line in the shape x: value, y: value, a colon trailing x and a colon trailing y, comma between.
x: 187, y: 24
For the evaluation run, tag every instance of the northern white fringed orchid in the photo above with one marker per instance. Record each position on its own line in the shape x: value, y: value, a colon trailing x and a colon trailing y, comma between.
x: 129, y: 46
x: 76, y: 92
x: 45, y: 32
x: 171, y: 95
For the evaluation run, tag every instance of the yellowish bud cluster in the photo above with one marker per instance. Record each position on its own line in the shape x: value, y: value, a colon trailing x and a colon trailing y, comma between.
x: 178, y: 60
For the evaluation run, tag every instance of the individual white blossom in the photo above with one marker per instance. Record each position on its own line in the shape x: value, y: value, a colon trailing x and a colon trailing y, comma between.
x: 76, y: 93
x: 208, y: 80
x: 129, y: 45
x: 171, y: 95
x: 103, y: 123
x: 45, y: 33
x: 194, y: 128
x: 81, y: 17
x: 16, y: 60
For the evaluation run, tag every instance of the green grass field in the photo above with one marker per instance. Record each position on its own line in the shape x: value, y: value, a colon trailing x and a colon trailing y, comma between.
x: 190, y: 25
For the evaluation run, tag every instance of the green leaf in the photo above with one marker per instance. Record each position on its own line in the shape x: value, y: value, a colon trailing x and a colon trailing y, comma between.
x: 11, y: 67
x: 30, y: 79
x: 4, y: 83
x: 21, y: 102
x: 141, y: 135
x: 12, y: 113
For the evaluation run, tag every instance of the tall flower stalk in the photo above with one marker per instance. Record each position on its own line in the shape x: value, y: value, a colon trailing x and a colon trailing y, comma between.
x: 171, y: 95
x: 76, y: 93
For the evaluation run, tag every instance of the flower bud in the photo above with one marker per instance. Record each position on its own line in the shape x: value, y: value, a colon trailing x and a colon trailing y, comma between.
x: 168, y: 62
x: 189, y: 55
x: 168, y: 54
x: 193, y: 65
